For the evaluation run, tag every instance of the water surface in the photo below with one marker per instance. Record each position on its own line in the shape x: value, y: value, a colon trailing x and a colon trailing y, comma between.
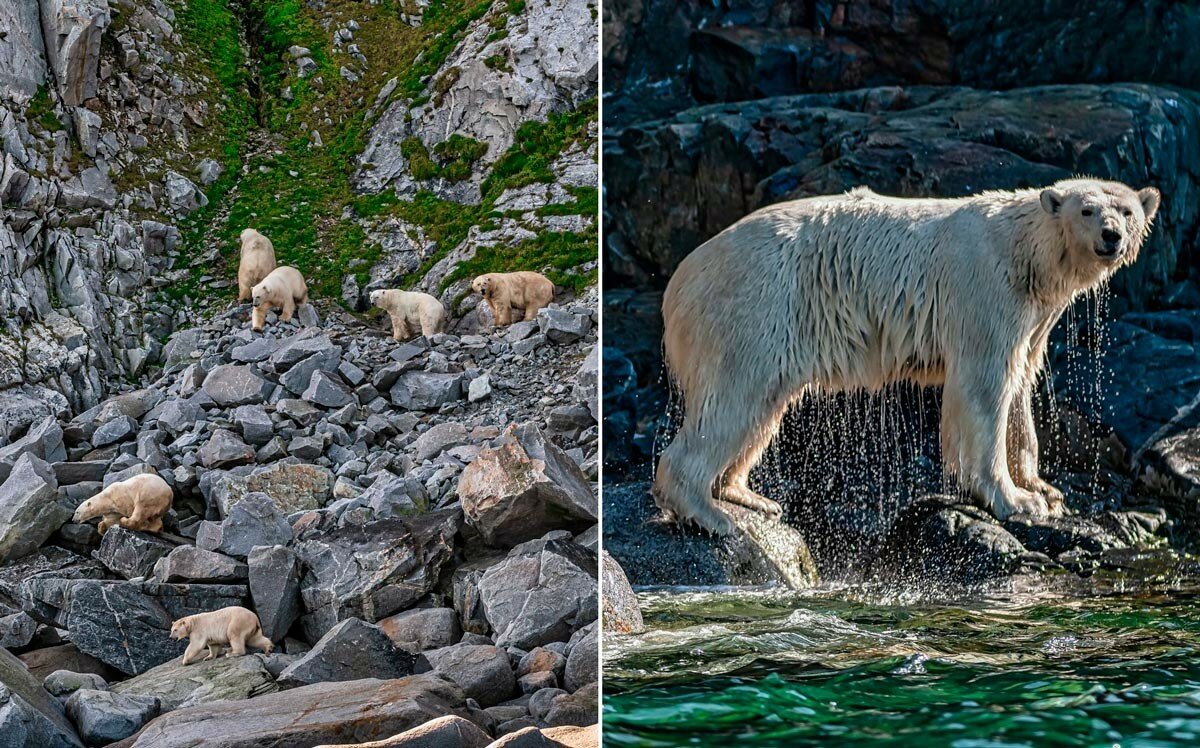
x: 852, y: 667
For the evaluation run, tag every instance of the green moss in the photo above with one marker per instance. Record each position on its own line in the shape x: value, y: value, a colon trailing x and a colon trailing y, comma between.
x: 586, y: 203
x: 457, y: 154
x: 41, y: 110
x: 536, y: 145
x: 498, y: 62
x: 419, y: 163
x: 445, y: 82
x: 450, y: 19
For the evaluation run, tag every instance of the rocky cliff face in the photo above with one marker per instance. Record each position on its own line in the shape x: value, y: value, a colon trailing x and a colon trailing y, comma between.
x: 140, y: 136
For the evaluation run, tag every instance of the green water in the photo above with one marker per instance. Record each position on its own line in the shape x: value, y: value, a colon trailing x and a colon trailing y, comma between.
x: 838, y: 668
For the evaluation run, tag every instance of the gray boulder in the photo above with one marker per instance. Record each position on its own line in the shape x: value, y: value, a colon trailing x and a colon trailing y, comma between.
x: 254, y: 423
x: 482, y: 671
x: 17, y: 630
x: 230, y: 384
x: 438, y: 439
x: 293, y: 487
x: 423, y: 628
x: 182, y: 194
x: 563, y: 327
x: 524, y: 488
x: 253, y: 521
x: 275, y: 588
x: 191, y: 564
x: 63, y: 683
x: 327, y: 390
x: 29, y: 716
x: 44, y: 440
x: 583, y: 663
x: 131, y: 554
x: 350, y: 650
x: 320, y: 714
x: 622, y: 615
x: 421, y: 390
x: 30, y: 510
x: 543, y: 592
x: 119, y: 625
x: 115, y: 430
x: 104, y: 717
x: 177, y: 686
x: 225, y: 449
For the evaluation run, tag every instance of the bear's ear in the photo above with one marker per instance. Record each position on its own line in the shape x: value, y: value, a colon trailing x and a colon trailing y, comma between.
x: 1150, y: 198
x: 1052, y: 201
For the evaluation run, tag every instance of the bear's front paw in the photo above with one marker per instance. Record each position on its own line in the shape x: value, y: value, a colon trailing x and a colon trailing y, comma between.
x: 1019, y: 501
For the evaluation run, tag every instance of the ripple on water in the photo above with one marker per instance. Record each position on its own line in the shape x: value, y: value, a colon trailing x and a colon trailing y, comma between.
x: 834, y: 667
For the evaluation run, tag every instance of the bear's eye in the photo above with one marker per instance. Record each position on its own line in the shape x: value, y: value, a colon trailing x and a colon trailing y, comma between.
x: 1128, y: 213
x: 1088, y: 212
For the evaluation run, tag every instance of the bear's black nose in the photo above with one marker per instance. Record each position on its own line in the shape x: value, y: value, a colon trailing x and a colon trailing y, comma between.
x: 1110, y: 237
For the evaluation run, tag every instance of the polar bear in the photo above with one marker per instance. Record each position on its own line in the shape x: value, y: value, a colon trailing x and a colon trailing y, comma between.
x: 411, y: 311
x: 521, y: 290
x: 857, y: 291
x: 235, y: 627
x: 136, y: 503
x: 257, y: 262
x: 284, y: 287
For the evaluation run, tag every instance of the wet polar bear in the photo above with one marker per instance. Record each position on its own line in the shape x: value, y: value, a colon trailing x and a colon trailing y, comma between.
x: 235, y: 627
x: 256, y: 262
x: 411, y: 311
x: 857, y: 291
x: 284, y: 288
x: 136, y: 503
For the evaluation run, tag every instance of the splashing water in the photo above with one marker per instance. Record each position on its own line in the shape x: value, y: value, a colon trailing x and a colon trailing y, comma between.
x: 852, y: 668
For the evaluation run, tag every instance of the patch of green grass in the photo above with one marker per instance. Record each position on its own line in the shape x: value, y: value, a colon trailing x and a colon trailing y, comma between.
x: 498, y: 62
x: 455, y: 155
x: 586, y: 203
x: 552, y: 252
x: 41, y: 110
x: 536, y: 145
x: 451, y: 20
x: 419, y: 163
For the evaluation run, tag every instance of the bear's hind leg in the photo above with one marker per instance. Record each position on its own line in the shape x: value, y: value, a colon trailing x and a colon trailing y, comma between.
x: 243, y: 292
x: 289, y: 308
x: 735, y: 485
x: 531, y: 312
x: 214, y: 651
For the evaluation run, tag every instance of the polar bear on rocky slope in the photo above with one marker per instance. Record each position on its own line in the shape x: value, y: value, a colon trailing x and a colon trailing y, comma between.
x: 857, y: 291
x: 524, y: 290
x: 411, y: 311
x: 234, y: 627
x: 136, y: 503
x: 257, y: 262
x: 283, y: 288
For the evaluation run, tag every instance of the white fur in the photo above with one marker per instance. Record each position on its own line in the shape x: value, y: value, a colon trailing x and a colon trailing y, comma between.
x: 411, y: 311
x: 858, y: 291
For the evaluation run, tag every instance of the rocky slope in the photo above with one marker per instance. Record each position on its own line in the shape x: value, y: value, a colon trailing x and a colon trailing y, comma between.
x: 758, y: 102
x: 423, y: 513
x: 377, y: 144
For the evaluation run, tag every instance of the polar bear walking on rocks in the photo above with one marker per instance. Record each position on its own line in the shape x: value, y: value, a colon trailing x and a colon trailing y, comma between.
x: 283, y: 288
x: 411, y: 311
x: 857, y: 291
x: 257, y: 261
x: 234, y: 627
x: 136, y: 503
x: 523, y: 290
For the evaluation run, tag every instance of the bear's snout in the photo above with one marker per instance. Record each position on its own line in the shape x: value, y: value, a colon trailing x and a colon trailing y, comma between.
x: 1110, y: 243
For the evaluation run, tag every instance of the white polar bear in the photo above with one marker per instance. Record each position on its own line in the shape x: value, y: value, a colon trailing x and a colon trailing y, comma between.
x: 256, y: 262
x: 284, y: 288
x: 411, y: 311
x: 858, y: 291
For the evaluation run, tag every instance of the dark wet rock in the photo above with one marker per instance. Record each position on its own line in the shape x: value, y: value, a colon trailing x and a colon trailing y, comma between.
x: 482, y: 671
x: 29, y: 716
x: 653, y: 551
x: 275, y: 574
x: 131, y: 554
x: 103, y: 717
x: 543, y: 591
x: 30, y: 509
x: 350, y: 650
x: 524, y: 488
x: 121, y: 626
x: 177, y: 686
x: 323, y: 713
x: 1173, y: 464
x: 253, y: 521
x: 373, y: 570
x: 621, y: 613
x: 465, y: 594
x: 421, y: 629
x: 191, y: 564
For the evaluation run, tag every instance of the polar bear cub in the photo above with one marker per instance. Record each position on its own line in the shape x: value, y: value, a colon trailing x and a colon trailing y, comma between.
x: 234, y: 627
x: 136, y: 503
x: 521, y: 290
x: 257, y: 261
x: 858, y: 291
x: 284, y: 288
x: 411, y: 311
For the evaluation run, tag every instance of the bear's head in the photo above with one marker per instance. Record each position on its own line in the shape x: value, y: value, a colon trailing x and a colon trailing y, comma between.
x: 261, y: 292
x: 247, y: 234
x: 90, y: 509
x: 377, y: 297
x: 181, y: 628
x: 483, y: 284
x: 1104, y: 223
